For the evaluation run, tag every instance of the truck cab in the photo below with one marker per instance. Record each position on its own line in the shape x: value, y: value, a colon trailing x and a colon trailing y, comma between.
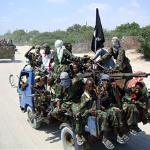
x: 26, y: 80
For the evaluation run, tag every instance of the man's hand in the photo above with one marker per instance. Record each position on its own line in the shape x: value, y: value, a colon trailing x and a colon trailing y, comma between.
x: 77, y: 114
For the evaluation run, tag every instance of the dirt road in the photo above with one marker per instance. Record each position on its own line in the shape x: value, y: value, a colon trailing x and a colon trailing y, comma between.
x: 17, y: 134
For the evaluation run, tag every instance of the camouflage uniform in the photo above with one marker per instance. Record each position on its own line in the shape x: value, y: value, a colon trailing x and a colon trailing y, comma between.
x: 69, y: 95
x: 68, y: 46
x: 35, y: 59
x: 139, y: 104
x: 130, y: 111
x: 66, y: 60
x: 123, y: 63
x: 77, y: 87
x: 87, y: 102
x: 110, y: 101
x: 64, y: 97
x: 42, y: 97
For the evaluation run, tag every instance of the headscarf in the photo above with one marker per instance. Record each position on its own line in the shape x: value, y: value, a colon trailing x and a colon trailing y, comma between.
x: 133, y: 81
x: 60, y: 48
x: 116, y: 44
x: 103, y: 77
x: 65, y: 80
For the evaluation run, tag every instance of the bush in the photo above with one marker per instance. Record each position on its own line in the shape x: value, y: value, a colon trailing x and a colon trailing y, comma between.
x: 144, y: 38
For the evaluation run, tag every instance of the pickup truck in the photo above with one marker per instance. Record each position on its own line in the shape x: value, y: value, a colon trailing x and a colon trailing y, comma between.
x: 7, y: 52
x: 27, y: 104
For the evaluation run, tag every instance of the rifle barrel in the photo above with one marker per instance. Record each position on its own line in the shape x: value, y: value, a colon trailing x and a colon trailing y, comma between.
x: 124, y: 75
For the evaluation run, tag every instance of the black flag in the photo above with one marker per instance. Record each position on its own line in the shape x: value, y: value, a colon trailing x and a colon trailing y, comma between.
x: 98, y: 36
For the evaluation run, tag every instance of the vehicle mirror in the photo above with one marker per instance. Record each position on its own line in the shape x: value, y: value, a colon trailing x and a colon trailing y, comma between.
x: 13, y: 80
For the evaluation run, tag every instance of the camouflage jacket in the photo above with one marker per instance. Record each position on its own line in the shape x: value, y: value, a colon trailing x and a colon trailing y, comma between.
x: 71, y: 94
x: 88, y: 101
x: 67, y: 58
x: 132, y: 98
x: 64, y: 95
x: 34, y: 59
x: 109, y: 98
x: 123, y: 63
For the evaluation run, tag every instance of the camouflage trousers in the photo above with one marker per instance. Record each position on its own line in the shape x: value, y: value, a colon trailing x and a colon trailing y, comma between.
x: 143, y: 115
x: 41, y: 103
x: 115, y: 117
x: 81, y: 120
x: 37, y: 101
x: 102, y: 120
x: 61, y: 68
x: 60, y: 113
x: 131, y: 114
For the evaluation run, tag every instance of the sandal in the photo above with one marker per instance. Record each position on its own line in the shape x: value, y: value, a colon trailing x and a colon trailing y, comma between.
x: 133, y: 132
x: 108, y: 144
x: 125, y: 138
x: 120, y: 140
x: 80, y: 140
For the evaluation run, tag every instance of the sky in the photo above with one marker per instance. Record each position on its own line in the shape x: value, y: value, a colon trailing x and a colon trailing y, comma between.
x: 51, y: 15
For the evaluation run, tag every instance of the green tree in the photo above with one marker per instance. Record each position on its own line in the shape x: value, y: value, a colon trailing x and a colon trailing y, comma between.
x: 19, y: 36
x: 144, y: 38
x: 32, y: 34
x: 8, y: 35
x: 128, y: 29
x: 74, y: 28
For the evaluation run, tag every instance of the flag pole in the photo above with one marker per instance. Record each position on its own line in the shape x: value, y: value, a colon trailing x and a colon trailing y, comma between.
x: 98, y: 35
x: 95, y: 46
x: 95, y: 34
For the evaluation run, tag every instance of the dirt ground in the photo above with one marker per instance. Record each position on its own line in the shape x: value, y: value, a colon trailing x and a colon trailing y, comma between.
x: 17, y: 134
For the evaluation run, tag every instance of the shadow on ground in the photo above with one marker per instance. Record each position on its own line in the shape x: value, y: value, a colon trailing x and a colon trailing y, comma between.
x: 53, y: 129
x: 10, y: 61
x: 140, y: 142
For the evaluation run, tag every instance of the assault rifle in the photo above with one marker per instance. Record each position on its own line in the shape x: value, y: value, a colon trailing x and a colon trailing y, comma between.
x: 129, y: 75
x: 95, y: 73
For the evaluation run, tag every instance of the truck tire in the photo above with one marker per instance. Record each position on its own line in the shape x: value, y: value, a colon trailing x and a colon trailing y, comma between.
x: 32, y: 120
x: 68, y: 140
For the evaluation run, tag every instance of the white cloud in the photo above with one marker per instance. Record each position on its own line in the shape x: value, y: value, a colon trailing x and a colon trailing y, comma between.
x: 57, y: 1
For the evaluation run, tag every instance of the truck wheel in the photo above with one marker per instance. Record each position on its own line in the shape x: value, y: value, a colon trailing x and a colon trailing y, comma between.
x: 31, y: 118
x: 68, y: 140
